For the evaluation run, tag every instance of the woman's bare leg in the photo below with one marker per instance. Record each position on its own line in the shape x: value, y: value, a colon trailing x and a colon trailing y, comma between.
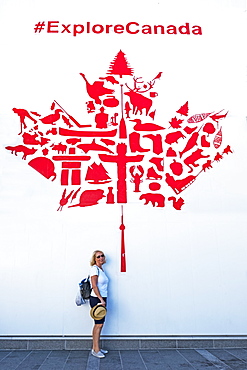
x: 96, y: 336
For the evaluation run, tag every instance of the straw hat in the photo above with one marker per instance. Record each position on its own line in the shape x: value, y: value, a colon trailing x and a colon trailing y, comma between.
x: 98, y: 312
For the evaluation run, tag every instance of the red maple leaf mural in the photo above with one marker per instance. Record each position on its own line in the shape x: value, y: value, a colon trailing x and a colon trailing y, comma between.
x: 123, y: 146
x: 147, y: 161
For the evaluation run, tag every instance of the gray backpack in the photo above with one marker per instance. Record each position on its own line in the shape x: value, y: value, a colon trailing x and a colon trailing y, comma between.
x: 85, y: 288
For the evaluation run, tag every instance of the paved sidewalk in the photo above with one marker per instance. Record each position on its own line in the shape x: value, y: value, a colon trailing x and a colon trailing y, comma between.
x: 172, y: 359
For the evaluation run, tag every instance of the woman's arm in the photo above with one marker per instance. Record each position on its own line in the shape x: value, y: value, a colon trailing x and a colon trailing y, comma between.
x: 94, y: 281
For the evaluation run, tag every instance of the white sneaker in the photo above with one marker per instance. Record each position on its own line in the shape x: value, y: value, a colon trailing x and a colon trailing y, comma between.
x: 97, y: 354
x: 104, y: 351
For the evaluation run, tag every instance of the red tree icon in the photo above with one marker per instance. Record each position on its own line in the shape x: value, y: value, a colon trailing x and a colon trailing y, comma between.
x: 184, y: 109
x: 120, y: 66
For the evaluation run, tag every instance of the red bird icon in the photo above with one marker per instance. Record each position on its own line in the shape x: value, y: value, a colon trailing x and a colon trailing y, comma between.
x: 158, y: 76
x: 52, y: 118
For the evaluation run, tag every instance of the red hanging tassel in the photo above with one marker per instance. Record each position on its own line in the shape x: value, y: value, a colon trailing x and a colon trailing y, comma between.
x: 123, y: 257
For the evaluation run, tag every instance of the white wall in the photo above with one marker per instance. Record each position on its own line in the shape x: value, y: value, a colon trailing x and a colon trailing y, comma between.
x: 186, y: 270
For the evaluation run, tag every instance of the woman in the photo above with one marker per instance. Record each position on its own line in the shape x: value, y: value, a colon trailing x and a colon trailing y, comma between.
x: 99, y: 283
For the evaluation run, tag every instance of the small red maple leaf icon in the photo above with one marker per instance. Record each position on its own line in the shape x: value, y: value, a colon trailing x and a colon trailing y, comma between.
x: 176, y: 123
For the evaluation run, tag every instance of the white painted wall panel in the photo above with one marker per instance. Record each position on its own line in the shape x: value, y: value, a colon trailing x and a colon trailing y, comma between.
x: 186, y: 270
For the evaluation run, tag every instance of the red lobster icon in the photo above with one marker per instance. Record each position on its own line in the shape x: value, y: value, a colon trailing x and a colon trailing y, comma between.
x: 136, y: 177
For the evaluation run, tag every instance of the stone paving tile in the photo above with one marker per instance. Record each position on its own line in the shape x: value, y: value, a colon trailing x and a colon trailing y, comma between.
x: 93, y: 363
x: 77, y: 360
x: 34, y: 360
x: 3, y: 354
x: 228, y: 359
x: 213, y: 359
x: 56, y: 360
x: 174, y: 359
x: 131, y: 360
x: 196, y: 359
x: 240, y: 353
x: 13, y: 360
x: 154, y: 360
x: 111, y: 361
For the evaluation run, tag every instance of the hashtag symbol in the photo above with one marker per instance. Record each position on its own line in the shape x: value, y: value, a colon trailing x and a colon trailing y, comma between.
x: 39, y: 27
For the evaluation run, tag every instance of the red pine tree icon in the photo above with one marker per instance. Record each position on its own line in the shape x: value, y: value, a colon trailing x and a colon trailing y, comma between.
x: 120, y: 66
x: 184, y: 109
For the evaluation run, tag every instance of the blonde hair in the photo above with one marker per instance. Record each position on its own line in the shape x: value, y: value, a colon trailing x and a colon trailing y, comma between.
x: 93, y: 258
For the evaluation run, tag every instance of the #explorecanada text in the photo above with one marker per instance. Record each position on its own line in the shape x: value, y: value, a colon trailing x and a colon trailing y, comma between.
x: 131, y: 28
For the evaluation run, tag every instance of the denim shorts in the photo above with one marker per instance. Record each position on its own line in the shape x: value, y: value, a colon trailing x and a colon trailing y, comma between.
x: 93, y: 302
